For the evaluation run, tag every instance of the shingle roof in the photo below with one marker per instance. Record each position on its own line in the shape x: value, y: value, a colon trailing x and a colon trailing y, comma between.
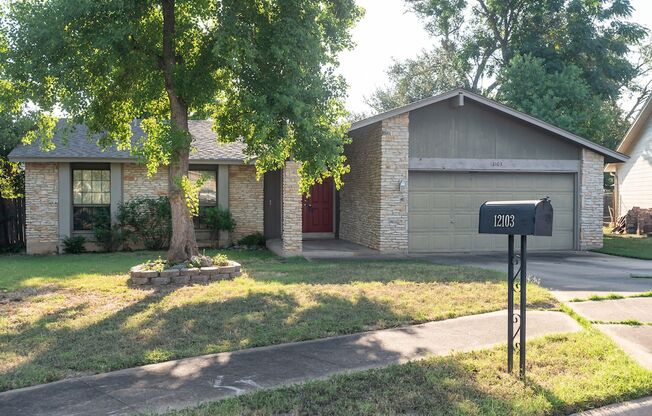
x: 76, y: 144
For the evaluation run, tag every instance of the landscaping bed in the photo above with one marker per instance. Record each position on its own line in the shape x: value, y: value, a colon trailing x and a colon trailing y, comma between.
x: 202, y: 270
x: 72, y: 315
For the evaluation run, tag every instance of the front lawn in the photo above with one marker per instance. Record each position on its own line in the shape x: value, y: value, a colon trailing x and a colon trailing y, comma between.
x: 76, y: 314
x: 632, y: 246
x: 566, y: 373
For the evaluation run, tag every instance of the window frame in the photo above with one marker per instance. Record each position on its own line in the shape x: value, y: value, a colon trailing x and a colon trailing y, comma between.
x: 90, y: 167
x: 205, y: 168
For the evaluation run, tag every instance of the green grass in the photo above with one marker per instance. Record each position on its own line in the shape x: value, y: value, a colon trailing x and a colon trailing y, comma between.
x: 635, y: 247
x: 565, y: 374
x: 73, y: 315
x: 612, y: 296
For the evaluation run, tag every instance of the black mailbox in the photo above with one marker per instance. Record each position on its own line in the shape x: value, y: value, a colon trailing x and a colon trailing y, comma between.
x: 516, y: 217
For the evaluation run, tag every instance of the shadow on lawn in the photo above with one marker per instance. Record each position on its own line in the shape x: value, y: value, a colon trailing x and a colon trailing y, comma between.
x: 347, y: 271
x: 145, y: 332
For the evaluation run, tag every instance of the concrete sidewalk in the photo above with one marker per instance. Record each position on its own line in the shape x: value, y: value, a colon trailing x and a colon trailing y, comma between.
x: 636, y: 340
x: 189, y: 382
x: 640, y: 407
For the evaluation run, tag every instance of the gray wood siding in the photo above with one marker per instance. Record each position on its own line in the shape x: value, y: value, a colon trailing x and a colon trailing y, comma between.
x: 635, y: 175
x: 475, y: 131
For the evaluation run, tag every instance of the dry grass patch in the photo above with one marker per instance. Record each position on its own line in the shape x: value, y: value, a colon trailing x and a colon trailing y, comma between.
x: 59, y: 325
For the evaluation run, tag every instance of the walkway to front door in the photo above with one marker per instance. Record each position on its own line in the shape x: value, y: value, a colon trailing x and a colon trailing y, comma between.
x: 318, y: 208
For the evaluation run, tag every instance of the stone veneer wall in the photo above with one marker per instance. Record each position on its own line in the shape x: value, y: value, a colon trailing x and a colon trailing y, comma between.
x: 591, y: 200
x: 373, y: 208
x: 135, y: 182
x: 246, y: 200
x: 291, y: 211
x: 41, y: 206
x: 360, y: 195
x: 394, y: 170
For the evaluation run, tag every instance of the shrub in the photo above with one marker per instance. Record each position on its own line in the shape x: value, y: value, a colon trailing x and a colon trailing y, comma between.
x: 74, y: 245
x: 252, y: 240
x: 149, y: 220
x: 220, y: 260
x: 109, y: 237
x: 218, y: 219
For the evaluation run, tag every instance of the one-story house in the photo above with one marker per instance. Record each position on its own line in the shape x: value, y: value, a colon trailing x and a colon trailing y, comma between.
x: 633, y: 179
x: 418, y: 176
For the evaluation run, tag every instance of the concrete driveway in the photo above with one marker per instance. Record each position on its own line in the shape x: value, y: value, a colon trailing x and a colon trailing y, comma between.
x: 569, y: 275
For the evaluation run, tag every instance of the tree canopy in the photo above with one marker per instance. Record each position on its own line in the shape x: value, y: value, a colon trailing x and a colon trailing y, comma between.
x: 481, y: 44
x: 262, y: 69
x: 14, y: 124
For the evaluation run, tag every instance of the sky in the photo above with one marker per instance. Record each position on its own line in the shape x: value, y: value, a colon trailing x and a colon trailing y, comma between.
x: 389, y: 32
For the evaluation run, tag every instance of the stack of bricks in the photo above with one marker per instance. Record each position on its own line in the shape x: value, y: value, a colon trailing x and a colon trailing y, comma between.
x: 185, y: 275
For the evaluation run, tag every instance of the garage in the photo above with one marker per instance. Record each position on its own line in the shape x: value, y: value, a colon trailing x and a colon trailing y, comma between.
x: 419, y: 174
x: 443, y: 209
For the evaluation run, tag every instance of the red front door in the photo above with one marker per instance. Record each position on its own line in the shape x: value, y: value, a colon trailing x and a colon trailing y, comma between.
x: 318, y: 209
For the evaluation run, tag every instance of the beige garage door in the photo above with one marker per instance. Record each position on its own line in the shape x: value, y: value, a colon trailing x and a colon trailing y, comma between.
x: 443, y: 209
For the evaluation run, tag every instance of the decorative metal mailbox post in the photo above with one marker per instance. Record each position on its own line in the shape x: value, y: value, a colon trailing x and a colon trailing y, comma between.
x: 516, y: 218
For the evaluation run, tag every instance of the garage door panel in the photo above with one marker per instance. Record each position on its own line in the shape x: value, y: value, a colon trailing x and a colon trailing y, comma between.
x: 422, y: 201
x: 443, y: 210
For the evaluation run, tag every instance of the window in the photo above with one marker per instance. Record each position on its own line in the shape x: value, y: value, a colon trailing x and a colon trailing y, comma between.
x: 207, y: 193
x: 91, y: 197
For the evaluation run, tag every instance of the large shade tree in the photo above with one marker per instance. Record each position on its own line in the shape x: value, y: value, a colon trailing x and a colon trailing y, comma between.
x: 14, y: 123
x: 262, y: 69
x: 480, y: 44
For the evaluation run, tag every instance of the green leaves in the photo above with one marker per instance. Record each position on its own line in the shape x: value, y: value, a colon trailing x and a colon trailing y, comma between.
x: 561, y: 98
x: 264, y: 69
x: 576, y: 64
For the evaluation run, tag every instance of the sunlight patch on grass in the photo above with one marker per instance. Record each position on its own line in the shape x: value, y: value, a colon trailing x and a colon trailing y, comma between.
x: 635, y: 247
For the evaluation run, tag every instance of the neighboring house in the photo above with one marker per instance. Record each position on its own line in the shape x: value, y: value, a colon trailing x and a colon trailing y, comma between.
x: 418, y: 176
x: 633, y: 179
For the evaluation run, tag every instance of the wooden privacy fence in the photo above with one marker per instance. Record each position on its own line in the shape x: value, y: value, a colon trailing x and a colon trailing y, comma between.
x: 12, y: 222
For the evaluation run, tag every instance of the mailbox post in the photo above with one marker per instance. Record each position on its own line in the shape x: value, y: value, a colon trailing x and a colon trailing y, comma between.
x: 516, y: 218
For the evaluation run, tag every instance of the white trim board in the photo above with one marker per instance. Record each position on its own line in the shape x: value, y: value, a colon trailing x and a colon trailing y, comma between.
x: 493, y: 165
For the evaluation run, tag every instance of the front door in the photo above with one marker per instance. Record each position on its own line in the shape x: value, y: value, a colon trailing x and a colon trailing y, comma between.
x: 318, y: 209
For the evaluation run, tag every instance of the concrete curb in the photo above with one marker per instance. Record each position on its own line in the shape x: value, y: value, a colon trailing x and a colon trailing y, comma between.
x: 640, y: 407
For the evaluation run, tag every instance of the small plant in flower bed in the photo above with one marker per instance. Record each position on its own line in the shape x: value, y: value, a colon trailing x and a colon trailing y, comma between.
x: 200, y: 260
x: 157, y: 265
x: 220, y: 260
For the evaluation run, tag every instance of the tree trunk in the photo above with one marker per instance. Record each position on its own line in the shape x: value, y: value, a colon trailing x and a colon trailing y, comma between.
x: 183, y: 244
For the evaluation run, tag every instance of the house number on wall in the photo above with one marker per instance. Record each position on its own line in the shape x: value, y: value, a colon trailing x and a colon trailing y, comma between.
x: 504, y: 220
x: 496, y: 164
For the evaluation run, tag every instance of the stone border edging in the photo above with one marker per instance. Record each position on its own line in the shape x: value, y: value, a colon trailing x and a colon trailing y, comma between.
x: 184, y: 276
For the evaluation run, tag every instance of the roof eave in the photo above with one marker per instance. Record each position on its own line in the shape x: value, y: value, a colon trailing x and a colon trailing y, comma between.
x: 611, y: 156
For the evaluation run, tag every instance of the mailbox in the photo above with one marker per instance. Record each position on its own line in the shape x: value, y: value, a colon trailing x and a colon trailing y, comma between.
x: 516, y: 217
